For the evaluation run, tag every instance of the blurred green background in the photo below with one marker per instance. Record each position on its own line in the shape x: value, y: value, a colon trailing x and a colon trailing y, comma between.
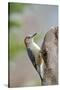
x: 16, y: 46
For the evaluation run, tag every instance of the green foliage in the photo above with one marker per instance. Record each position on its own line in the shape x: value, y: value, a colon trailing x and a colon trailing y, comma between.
x: 16, y: 7
x: 14, y: 24
x: 15, y: 48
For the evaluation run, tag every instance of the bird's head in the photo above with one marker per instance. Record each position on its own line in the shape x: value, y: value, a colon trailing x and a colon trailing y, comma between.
x: 29, y: 39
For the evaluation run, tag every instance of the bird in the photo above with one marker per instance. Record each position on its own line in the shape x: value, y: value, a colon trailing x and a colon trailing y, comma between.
x: 34, y: 53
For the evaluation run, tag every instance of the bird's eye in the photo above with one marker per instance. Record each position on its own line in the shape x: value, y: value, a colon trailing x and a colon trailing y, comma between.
x: 27, y: 37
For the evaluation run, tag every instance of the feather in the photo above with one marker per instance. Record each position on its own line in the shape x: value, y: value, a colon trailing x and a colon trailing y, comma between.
x: 32, y: 58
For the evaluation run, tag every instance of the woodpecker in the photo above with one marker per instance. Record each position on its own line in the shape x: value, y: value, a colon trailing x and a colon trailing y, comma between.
x: 34, y: 53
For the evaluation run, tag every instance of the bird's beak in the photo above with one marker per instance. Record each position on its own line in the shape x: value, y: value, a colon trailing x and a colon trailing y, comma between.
x: 33, y: 35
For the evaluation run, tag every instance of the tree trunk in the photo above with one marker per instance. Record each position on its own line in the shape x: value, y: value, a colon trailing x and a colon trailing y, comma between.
x: 50, y: 57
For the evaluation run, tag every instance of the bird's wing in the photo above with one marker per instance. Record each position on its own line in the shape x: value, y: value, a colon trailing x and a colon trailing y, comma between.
x: 32, y: 58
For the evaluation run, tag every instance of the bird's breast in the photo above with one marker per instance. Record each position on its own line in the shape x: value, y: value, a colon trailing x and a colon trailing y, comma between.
x: 35, y: 49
